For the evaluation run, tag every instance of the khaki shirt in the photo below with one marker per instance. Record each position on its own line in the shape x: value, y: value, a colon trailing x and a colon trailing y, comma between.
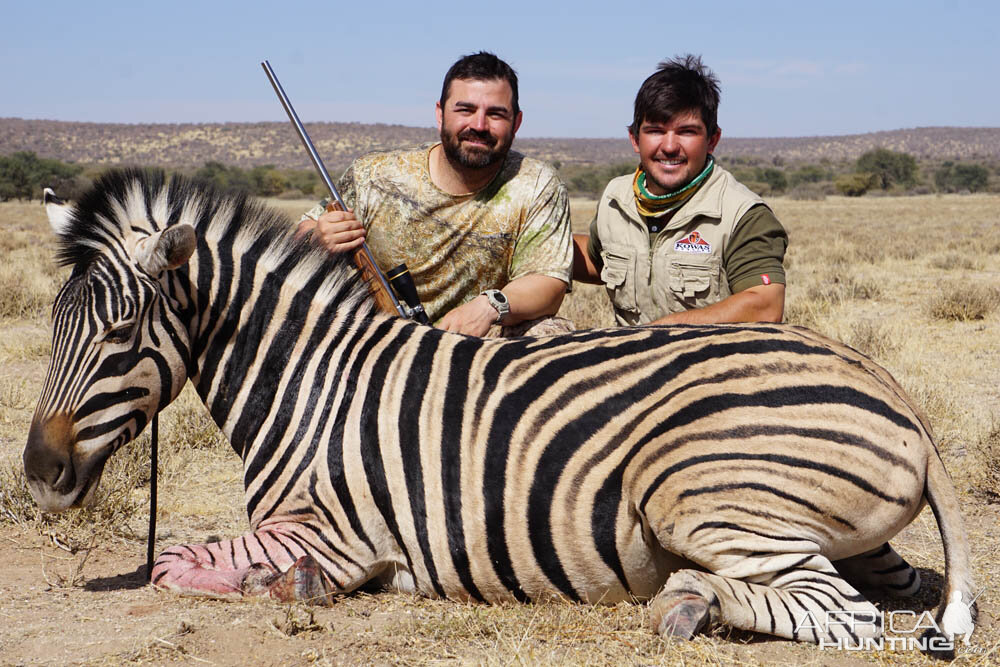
x: 688, y: 263
x: 456, y: 246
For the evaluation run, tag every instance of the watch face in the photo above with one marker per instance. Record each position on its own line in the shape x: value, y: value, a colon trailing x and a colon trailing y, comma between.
x: 500, y: 296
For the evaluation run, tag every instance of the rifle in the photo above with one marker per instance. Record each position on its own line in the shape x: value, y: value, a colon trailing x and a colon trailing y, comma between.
x: 399, y: 278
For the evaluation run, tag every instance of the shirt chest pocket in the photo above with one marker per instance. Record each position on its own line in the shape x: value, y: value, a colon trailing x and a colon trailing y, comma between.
x: 693, y: 280
x: 618, y: 276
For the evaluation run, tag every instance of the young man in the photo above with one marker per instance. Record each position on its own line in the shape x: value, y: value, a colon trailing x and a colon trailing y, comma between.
x: 681, y: 241
x: 484, y: 230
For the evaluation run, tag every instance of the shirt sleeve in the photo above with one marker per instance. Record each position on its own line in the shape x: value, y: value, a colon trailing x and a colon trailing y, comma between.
x: 756, y: 250
x: 347, y: 186
x: 544, y: 245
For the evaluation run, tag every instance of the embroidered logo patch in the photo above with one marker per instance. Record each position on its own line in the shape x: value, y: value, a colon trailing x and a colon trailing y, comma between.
x: 766, y: 279
x: 693, y: 243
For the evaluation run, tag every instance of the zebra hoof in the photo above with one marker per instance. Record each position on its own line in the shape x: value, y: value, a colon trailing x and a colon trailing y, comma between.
x: 302, y: 582
x: 687, y: 616
x: 258, y: 580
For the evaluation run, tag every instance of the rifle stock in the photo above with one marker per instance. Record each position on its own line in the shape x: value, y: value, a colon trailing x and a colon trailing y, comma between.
x: 372, y: 276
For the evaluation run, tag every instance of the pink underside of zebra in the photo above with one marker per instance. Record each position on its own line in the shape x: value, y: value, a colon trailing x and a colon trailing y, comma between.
x: 746, y: 475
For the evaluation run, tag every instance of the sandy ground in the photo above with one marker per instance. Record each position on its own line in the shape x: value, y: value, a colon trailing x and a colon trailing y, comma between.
x: 95, y: 608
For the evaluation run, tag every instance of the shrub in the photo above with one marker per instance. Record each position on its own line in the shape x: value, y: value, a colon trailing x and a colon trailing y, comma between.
x: 267, y: 181
x: 24, y: 175
x: 854, y: 185
x: 305, y: 180
x: 762, y: 180
x: 809, y: 173
x: 775, y: 178
x: 952, y: 177
x: 590, y: 180
x: 873, y: 338
x: 888, y: 167
x: 987, y: 451
x: 964, y: 303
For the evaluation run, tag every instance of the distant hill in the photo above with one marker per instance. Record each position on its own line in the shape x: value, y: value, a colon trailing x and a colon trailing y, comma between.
x: 250, y: 144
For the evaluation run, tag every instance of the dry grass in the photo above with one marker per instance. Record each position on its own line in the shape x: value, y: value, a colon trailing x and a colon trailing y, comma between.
x: 965, y: 302
x: 866, y: 271
x: 987, y: 456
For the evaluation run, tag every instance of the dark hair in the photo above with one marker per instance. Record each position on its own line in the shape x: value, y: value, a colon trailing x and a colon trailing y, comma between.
x: 482, y: 66
x: 679, y: 85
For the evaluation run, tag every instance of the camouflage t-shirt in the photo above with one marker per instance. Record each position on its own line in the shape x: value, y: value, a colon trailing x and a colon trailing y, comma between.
x: 456, y: 246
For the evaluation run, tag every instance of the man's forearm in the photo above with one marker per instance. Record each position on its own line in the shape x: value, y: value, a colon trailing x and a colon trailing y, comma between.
x: 529, y: 297
x: 533, y: 296
x: 763, y: 303
x: 584, y: 270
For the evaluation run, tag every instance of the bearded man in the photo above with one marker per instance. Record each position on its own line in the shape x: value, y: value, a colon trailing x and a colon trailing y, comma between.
x: 484, y: 230
x: 681, y: 240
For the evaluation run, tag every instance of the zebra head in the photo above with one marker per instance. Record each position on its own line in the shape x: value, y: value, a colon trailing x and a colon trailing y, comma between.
x: 119, y: 342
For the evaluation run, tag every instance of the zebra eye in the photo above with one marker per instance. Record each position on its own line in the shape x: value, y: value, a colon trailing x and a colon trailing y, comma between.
x: 120, y: 335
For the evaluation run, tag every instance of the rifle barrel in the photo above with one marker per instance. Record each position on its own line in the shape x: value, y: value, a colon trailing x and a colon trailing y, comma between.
x: 303, y: 135
x: 363, y: 256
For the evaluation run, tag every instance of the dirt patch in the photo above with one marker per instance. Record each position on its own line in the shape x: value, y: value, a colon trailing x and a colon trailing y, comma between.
x: 94, y: 607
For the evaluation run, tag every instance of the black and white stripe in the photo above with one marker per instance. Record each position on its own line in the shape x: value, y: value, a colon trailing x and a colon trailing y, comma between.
x: 596, y: 466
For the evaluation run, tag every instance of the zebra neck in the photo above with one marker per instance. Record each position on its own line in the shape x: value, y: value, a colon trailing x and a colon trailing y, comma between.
x: 254, y: 340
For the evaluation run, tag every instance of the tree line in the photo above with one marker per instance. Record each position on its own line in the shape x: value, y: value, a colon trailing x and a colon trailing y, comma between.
x: 23, y: 175
x: 878, y: 170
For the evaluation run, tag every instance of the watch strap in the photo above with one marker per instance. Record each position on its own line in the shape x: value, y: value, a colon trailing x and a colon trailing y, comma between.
x: 499, y: 302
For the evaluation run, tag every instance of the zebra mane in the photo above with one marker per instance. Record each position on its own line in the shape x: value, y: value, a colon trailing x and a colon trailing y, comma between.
x: 133, y: 200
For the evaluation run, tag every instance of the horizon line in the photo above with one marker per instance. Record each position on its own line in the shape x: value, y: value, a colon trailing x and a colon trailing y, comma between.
x: 533, y: 137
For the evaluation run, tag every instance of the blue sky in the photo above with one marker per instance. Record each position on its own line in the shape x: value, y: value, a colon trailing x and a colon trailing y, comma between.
x: 787, y: 68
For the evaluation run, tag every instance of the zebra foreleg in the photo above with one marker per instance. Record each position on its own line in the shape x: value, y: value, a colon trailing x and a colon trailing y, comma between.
x: 810, y: 602
x: 261, y: 564
x: 881, y: 571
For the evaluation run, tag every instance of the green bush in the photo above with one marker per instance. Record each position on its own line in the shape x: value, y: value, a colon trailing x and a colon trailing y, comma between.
x: 224, y: 177
x: 854, y: 185
x: 756, y: 177
x: 590, y: 180
x: 809, y: 173
x: 775, y: 178
x: 267, y: 181
x: 263, y: 181
x: 952, y: 177
x: 888, y: 167
x: 305, y: 181
x: 24, y: 175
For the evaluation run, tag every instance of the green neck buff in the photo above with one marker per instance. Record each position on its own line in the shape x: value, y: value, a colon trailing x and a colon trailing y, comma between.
x: 650, y: 205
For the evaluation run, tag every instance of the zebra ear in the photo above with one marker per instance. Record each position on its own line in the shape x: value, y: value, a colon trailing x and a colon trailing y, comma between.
x: 60, y: 213
x: 166, y: 250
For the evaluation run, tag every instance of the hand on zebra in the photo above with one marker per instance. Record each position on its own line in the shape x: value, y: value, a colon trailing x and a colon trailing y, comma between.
x: 473, y: 318
x: 337, y: 231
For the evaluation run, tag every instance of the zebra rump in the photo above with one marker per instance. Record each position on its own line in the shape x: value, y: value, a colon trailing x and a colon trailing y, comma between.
x: 748, y: 475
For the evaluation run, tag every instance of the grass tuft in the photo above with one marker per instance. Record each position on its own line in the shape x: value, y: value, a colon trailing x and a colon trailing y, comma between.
x: 986, y: 454
x: 964, y: 303
x: 873, y: 338
x: 25, y: 290
x: 116, y: 506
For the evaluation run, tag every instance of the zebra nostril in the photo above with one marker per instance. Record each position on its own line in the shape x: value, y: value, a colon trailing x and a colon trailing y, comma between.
x: 46, y: 459
x: 59, y: 473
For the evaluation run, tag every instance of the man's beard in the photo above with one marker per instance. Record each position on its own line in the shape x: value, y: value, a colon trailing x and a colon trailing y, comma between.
x: 475, y: 158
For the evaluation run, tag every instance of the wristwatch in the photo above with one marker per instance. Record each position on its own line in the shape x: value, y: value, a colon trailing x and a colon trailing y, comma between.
x: 499, y: 301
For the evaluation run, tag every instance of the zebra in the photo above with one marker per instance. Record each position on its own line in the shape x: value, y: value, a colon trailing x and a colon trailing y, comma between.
x: 741, y: 475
